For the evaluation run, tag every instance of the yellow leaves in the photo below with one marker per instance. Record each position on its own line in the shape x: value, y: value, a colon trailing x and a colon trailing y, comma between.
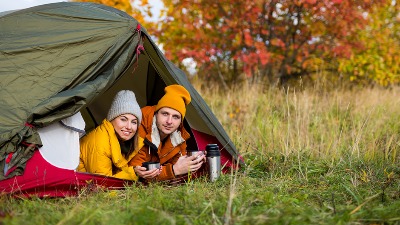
x: 376, y: 62
x: 389, y: 175
x: 237, y: 40
x: 237, y: 112
x: 370, y: 66
x: 318, y: 28
x: 113, y: 194
x: 364, y: 176
x: 312, y: 63
x: 234, y: 113
x: 144, y: 3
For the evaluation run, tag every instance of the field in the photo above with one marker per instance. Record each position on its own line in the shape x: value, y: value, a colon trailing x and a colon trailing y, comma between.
x: 312, y: 157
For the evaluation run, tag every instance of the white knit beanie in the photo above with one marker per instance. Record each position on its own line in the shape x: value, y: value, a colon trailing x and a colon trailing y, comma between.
x: 124, y: 102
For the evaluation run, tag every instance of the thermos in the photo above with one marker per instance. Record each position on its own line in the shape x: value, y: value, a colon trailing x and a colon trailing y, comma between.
x: 214, y: 161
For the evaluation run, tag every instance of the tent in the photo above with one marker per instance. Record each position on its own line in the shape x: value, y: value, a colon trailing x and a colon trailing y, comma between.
x: 65, y: 59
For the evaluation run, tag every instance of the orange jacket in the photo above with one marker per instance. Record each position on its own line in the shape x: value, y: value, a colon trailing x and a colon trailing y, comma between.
x: 165, y: 153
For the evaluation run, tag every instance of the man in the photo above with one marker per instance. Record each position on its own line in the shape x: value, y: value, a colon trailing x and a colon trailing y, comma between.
x: 165, y: 137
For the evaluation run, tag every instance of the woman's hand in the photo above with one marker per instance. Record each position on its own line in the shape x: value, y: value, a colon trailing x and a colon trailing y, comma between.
x: 186, y: 164
x: 147, y: 174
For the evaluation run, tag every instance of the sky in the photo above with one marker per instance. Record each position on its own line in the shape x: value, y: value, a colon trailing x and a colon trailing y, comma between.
x: 6, y: 5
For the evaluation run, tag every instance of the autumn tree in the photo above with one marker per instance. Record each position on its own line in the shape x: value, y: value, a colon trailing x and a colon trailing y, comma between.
x: 270, y: 39
x: 378, y: 59
x: 277, y: 40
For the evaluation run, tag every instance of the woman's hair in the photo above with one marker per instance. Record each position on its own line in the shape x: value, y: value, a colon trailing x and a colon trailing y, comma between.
x: 129, y: 146
x: 135, y: 143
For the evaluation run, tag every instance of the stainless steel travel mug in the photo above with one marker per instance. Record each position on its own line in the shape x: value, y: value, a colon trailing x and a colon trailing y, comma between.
x: 214, y: 161
x: 151, y: 165
x: 190, y: 152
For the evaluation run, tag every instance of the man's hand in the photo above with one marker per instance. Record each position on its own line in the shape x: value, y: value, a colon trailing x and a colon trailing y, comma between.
x: 186, y: 164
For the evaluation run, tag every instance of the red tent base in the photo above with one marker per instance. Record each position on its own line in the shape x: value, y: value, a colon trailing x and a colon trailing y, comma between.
x: 227, y: 161
x: 42, y: 179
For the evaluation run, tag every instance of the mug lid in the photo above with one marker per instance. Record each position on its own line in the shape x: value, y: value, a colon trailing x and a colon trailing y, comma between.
x: 212, y: 147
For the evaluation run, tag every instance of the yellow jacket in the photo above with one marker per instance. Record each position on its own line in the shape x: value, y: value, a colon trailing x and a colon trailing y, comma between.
x: 101, y: 154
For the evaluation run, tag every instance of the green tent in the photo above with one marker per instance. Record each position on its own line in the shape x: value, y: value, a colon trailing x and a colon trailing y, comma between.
x: 62, y: 58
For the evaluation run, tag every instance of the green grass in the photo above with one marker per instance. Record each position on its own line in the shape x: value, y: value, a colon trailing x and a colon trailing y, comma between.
x: 312, y: 157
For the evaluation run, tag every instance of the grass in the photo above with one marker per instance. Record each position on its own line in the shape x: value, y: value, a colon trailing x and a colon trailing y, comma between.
x: 312, y: 157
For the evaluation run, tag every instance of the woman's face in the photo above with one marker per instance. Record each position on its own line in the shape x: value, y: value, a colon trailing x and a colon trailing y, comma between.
x: 125, y: 126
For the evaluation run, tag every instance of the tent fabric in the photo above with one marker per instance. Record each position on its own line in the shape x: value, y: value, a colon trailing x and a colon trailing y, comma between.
x: 54, y: 60
x: 42, y: 179
x: 13, y: 163
x: 63, y: 58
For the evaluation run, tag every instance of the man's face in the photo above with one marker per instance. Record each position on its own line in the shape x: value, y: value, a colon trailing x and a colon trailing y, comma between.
x: 125, y: 126
x: 168, y: 121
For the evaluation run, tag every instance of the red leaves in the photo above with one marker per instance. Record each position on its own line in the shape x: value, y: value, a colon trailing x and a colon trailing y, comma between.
x: 311, y: 1
x: 248, y: 39
x: 343, y: 51
x: 277, y: 42
x: 265, y: 57
x: 261, y: 35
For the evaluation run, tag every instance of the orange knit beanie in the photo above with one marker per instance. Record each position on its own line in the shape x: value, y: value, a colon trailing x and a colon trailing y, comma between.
x: 175, y: 97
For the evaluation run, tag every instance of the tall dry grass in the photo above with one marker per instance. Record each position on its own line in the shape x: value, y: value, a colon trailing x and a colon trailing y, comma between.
x: 361, y: 123
x: 279, y: 132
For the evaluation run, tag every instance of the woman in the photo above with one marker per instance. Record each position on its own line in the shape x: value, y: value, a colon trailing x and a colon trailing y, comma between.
x: 107, y: 149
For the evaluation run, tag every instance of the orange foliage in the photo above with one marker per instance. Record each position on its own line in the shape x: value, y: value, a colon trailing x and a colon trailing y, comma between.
x: 269, y: 37
x: 261, y: 35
